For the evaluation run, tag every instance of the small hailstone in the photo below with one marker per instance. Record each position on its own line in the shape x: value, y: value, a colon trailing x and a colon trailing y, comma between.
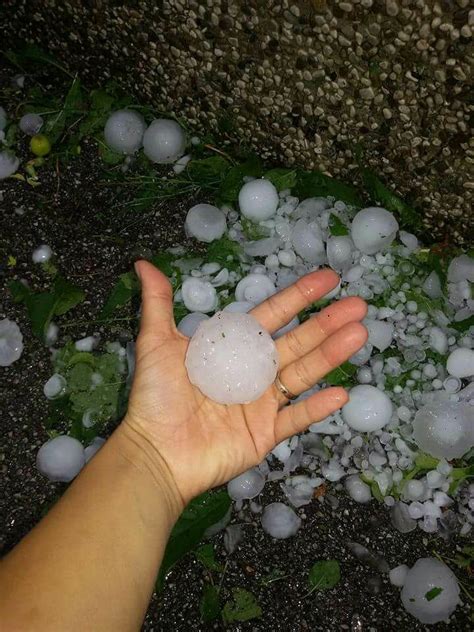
x: 180, y: 165
x: 398, y: 575
x: 438, y: 340
x: 86, y: 344
x: 52, y: 334
x: 210, y: 268
x: 339, y: 252
x: 364, y: 375
x: 444, y: 429
x: 368, y: 408
x: 199, y: 295
x: 452, y: 384
x: 42, y: 254
x: 11, y: 342
x: 164, y: 141
x: 380, y: 333
x: 124, y: 131
x: 93, y: 448
x: 311, y: 208
x: 247, y: 485
x: 280, y: 521
x: 414, y: 489
x: 258, y: 200
x: 357, y: 489
x: 231, y: 358
x: 9, y: 163
x: 461, y: 269
x: 188, y: 325
x: 373, y: 229
x: 282, y: 451
x: 308, y: 242
x: 239, y: 307
x: 287, y: 258
x: 205, y: 222
x: 89, y: 419
x: 262, y: 247
x: 54, y: 387
x: 254, y: 288
x: 430, y: 592
x: 61, y: 459
x: 31, y: 124
x: 460, y: 363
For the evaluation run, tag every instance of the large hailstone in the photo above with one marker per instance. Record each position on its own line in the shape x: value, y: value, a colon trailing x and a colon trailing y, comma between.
x: 368, y: 408
x: 445, y: 429
x: 164, y: 141
x: 373, y: 229
x: 9, y: 163
x: 258, y: 200
x: 205, y: 222
x: 124, y: 131
x: 280, y: 521
x: 460, y: 362
x: 254, y: 288
x: 61, y: 459
x: 308, y: 242
x: 247, y: 485
x: 430, y: 592
x: 231, y: 358
x: 11, y: 342
x: 199, y: 295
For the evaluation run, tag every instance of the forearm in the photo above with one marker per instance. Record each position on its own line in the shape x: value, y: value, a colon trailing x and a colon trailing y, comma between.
x: 92, y: 562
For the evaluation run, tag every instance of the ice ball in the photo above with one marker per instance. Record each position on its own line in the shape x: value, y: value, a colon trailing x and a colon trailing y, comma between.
x: 188, y: 325
x: 280, y: 521
x: 373, y: 229
x: 254, y: 288
x: 124, y: 131
x: 61, y: 459
x: 164, y: 141
x: 31, y: 124
x: 231, y: 358
x: 461, y: 269
x: 430, y: 592
x: 308, y: 242
x: 258, y: 200
x: 380, y: 333
x: 357, y: 489
x: 460, y: 363
x: 368, y: 408
x: 246, y: 485
x: 54, y: 387
x: 8, y: 164
x: 11, y: 342
x: 42, y: 254
x: 199, y: 295
x: 93, y: 448
x: 205, y: 222
x: 339, y: 252
x: 445, y: 429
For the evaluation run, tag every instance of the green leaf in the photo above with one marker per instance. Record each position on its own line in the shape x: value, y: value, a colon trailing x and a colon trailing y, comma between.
x: 124, y: 290
x: 206, y: 555
x: 458, y: 475
x: 67, y: 296
x: 55, y: 125
x: 425, y: 304
x: 163, y: 261
x: 324, y: 574
x: 233, y: 181
x: 314, y: 183
x: 282, y: 178
x: 208, y: 171
x: 337, y: 227
x: 224, y: 251
x: 209, y: 604
x: 32, y: 53
x: 433, y: 593
x: 200, y: 514
x: 426, y: 461
x: 243, y: 607
x: 342, y: 376
x: 463, y: 325
x: 109, y: 156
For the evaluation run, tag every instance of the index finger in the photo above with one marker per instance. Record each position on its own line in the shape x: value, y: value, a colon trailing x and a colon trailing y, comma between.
x: 280, y: 308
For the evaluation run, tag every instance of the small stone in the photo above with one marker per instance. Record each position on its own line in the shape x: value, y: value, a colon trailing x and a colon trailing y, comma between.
x: 391, y: 6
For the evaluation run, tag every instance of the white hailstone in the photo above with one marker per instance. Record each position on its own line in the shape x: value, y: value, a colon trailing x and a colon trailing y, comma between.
x: 432, y: 285
x: 409, y: 240
x: 287, y: 258
x: 181, y: 164
x: 52, y: 334
x: 280, y: 521
x: 205, y: 222
x: 294, y: 322
x: 398, y: 575
x: 210, y: 268
x: 254, y: 288
x: 357, y: 489
x: 368, y: 408
x: 164, y: 141
x: 231, y: 358
x: 414, y: 489
x: 61, y: 459
x: 247, y: 485
x: 54, y: 387
x: 221, y: 279
x: 262, y: 247
x: 452, y: 384
x: 460, y: 363
x: 438, y: 340
x: 93, y: 448
x: 380, y: 333
x: 11, y: 342
x: 308, y: 242
x: 258, y: 200
x: 188, y: 325
x: 199, y: 295
x: 311, y: 208
x: 362, y: 356
x: 124, y: 131
x: 339, y: 252
x: 86, y: 344
x: 3, y: 119
x: 42, y: 254
x: 9, y: 163
x: 461, y: 269
x: 364, y: 375
x: 445, y: 429
x: 282, y: 450
x: 30, y: 124
x: 89, y: 417
x: 373, y: 229
x: 239, y: 307
x: 430, y: 592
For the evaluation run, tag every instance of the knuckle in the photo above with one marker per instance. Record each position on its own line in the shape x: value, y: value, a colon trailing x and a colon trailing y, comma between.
x: 303, y: 374
x: 294, y: 343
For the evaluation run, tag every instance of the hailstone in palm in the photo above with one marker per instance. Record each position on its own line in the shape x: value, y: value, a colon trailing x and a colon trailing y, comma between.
x: 373, y: 229
x: 124, y: 131
x: 258, y: 200
x: 164, y: 141
x: 205, y: 222
x: 247, y: 485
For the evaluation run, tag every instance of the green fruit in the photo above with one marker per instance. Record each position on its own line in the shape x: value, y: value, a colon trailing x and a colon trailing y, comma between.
x: 40, y: 145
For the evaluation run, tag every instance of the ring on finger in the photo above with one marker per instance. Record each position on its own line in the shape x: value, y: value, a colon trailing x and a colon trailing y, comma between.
x: 283, y: 390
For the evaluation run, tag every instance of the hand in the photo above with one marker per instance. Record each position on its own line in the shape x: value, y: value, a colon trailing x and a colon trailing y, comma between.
x: 201, y: 444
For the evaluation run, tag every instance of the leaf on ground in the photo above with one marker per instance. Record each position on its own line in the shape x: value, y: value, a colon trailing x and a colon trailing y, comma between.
x: 209, y: 604
x: 233, y: 181
x: 463, y: 325
x: 206, y: 555
x: 124, y: 290
x: 67, y: 296
x: 208, y: 172
x: 243, y: 607
x: 337, y: 228
x: 282, y: 178
x: 324, y: 574
x: 342, y: 375
x: 314, y: 183
x: 55, y: 125
x: 224, y: 251
x: 433, y: 593
x: 163, y: 261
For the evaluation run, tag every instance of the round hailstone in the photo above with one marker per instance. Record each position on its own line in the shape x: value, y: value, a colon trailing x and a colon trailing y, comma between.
x: 258, y: 200
x: 164, y: 141
x: 460, y: 363
x: 461, y: 269
x: 254, y: 288
x: 368, y: 408
x: 247, y: 485
x: 398, y: 575
x: 205, y: 222
x: 199, y: 295
x: 42, y: 254
x: 430, y: 592
x: 31, y: 124
x: 8, y: 164
x: 373, y: 229
x: 357, y: 489
x: 380, y: 333
x: 445, y: 429
x: 339, y: 252
x: 308, y: 242
x: 61, y: 459
x: 188, y: 325
x: 54, y: 387
x: 239, y: 307
x: 280, y: 521
x: 231, y: 358
x: 93, y: 448
x: 124, y: 131
x: 11, y: 342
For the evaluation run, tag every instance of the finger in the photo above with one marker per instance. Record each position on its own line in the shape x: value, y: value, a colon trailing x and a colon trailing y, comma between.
x: 296, y: 418
x: 306, y: 371
x: 303, y: 339
x: 157, y: 300
x: 280, y: 308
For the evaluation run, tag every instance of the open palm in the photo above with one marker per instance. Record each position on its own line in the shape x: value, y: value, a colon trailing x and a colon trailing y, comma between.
x: 204, y: 444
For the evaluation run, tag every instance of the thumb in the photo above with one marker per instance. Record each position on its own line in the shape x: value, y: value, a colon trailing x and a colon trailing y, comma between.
x: 157, y: 300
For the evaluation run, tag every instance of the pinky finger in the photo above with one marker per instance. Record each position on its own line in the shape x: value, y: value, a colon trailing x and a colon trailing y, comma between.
x: 297, y: 417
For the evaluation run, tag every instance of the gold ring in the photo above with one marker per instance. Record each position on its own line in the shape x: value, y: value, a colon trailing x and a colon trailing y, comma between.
x: 283, y: 390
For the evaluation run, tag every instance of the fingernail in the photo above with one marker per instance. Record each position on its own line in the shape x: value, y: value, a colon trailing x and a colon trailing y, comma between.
x: 137, y: 269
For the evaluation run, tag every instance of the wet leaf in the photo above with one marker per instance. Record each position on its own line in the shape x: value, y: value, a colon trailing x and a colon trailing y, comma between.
x: 314, y: 183
x: 337, y: 228
x: 463, y: 325
x: 324, y: 574
x: 124, y: 290
x: 282, y: 178
x: 206, y: 555
x: 433, y: 593
x: 243, y: 607
x: 234, y: 178
x: 342, y: 376
x: 209, y: 604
